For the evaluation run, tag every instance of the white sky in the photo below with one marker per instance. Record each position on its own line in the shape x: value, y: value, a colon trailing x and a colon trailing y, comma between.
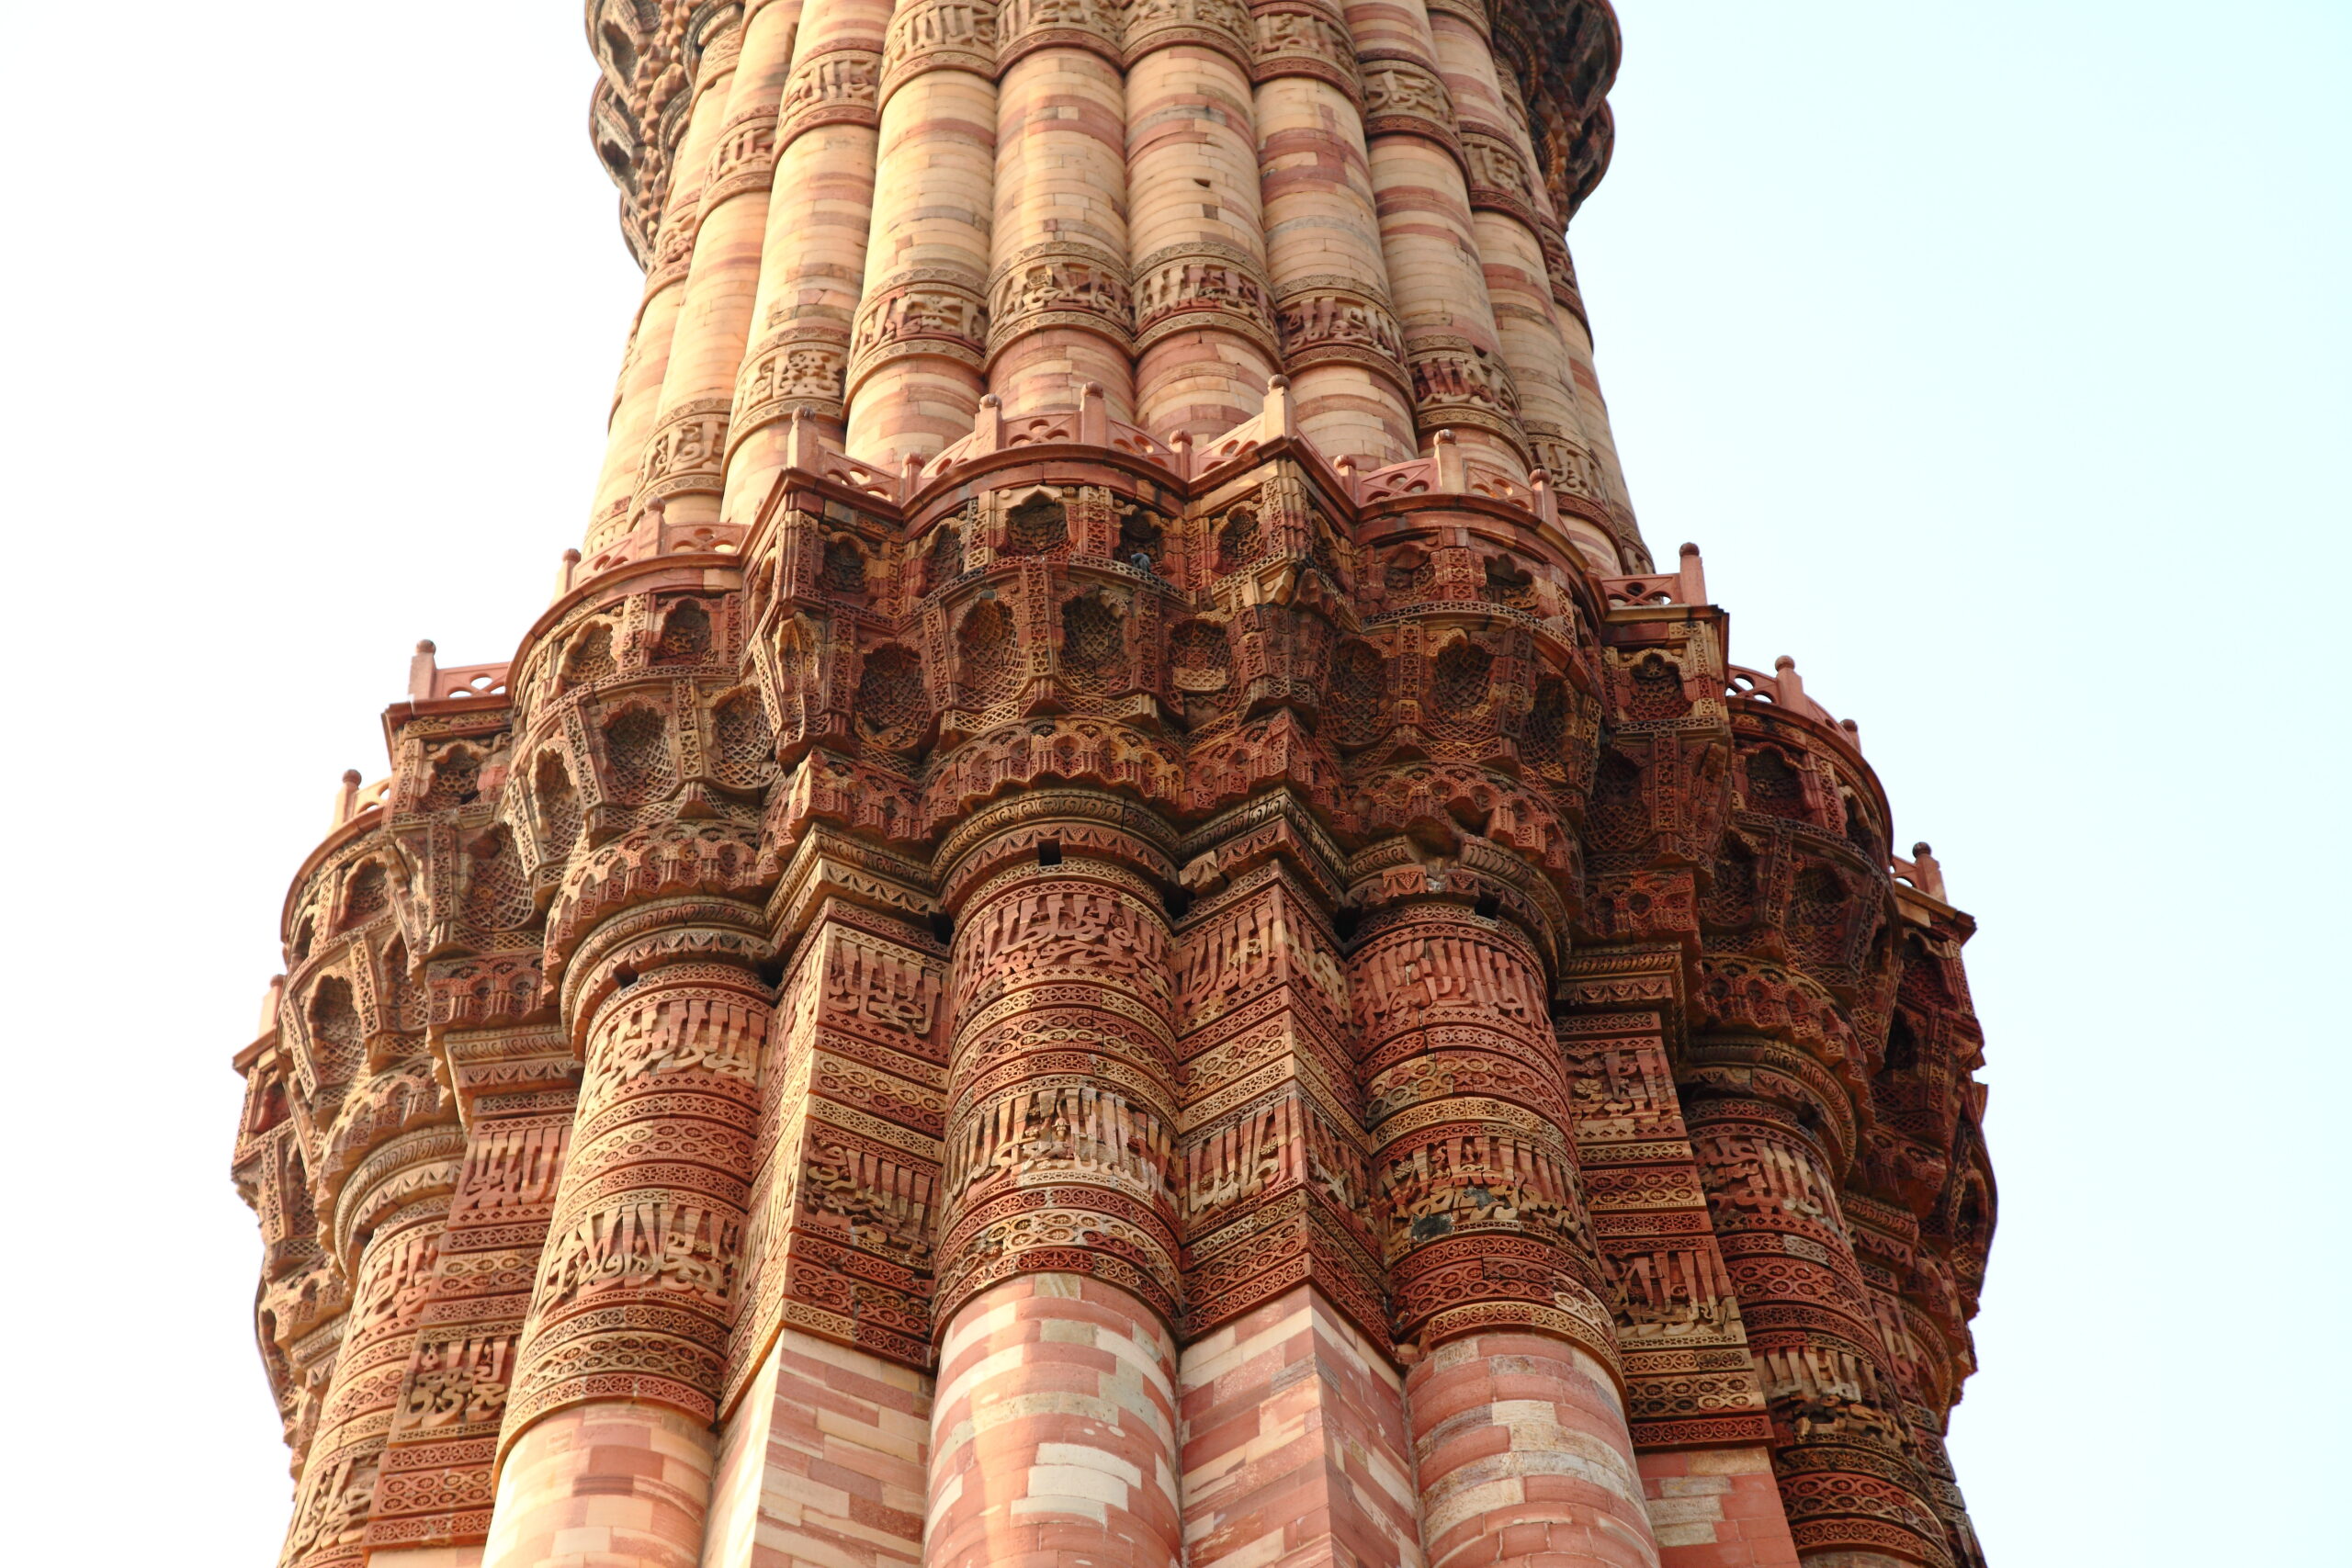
x: 1991, y: 351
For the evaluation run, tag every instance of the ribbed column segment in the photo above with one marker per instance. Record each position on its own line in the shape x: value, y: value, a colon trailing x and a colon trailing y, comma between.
x: 434, y: 1491
x: 387, y: 1224
x: 1520, y: 1443
x: 1586, y: 478
x: 1455, y: 354
x: 1054, y: 1436
x: 1061, y: 1111
x: 1055, y: 1426
x: 813, y: 259
x: 1206, y: 342
x: 1061, y: 312
x: 1848, y: 1478
x: 1603, y: 480
x: 1341, y: 345
x: 1296, y: 1448
x: 1519, y: 1440
x: 921, y: 335
x: 686, y: 450
x: 1696, y: 1410
x: 337, y: 1494
x: 646, y: 362
x: 624, y: 1355
x: 1275, y: 1175
x: 1506, y: 223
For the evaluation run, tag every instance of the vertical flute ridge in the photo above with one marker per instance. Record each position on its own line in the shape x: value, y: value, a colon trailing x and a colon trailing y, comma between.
x: 920, y: 342
x: 1061, y: 303
x: 813, y: 256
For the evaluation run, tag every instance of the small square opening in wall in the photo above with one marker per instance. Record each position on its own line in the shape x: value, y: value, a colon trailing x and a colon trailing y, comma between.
x: 1049, y: 852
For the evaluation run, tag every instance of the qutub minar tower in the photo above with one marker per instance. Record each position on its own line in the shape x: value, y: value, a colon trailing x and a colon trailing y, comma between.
x: 1115, y: 919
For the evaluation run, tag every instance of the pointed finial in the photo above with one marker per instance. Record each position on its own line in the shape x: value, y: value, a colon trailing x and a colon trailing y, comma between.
x: 1926, y: 872
x: 1692, y: 587
x: 346, y: 799
x: 423, y: 672
x: 1790, y: 694
x: 1453, y: 467
x: 1547, y: 506
x: 801, y: 448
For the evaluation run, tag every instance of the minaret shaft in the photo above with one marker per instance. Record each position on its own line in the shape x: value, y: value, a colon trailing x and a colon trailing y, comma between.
x: 1113, y: 920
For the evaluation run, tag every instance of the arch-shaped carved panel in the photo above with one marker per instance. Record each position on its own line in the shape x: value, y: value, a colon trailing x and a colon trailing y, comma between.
x: 638, y: 767
x: 687, y: 636
x: 987, y: 654
x: 1094, y: 643
x: 892, y: 710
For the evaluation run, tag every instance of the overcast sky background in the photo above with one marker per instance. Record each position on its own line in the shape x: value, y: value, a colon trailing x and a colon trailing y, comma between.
x: 1995, y: 354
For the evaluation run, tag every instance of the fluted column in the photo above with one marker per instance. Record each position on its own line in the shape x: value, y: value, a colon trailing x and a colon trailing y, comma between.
x: 685, y: 452
x: 1770, y: 1157
x: 1518, y: 1416
x: 921, y: 336
x: 1506, y: 223
x: 517, y: 1084
x: 607, y: 1446
x: 1060, y: 308
x: 1054, y: 1428
x: 1604, y: 478
x: 1696, y: 1409
x: 646, y: 362
x: 1205, y: 329
x: 1451, y: 348
x: 388, y: 1221
x: 1295, y: 1443
x: 1886, y: 1244
x: 1341, y: 346
x: 1592, y: 480
x: 823, y: 1458
x: 813, y: 261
